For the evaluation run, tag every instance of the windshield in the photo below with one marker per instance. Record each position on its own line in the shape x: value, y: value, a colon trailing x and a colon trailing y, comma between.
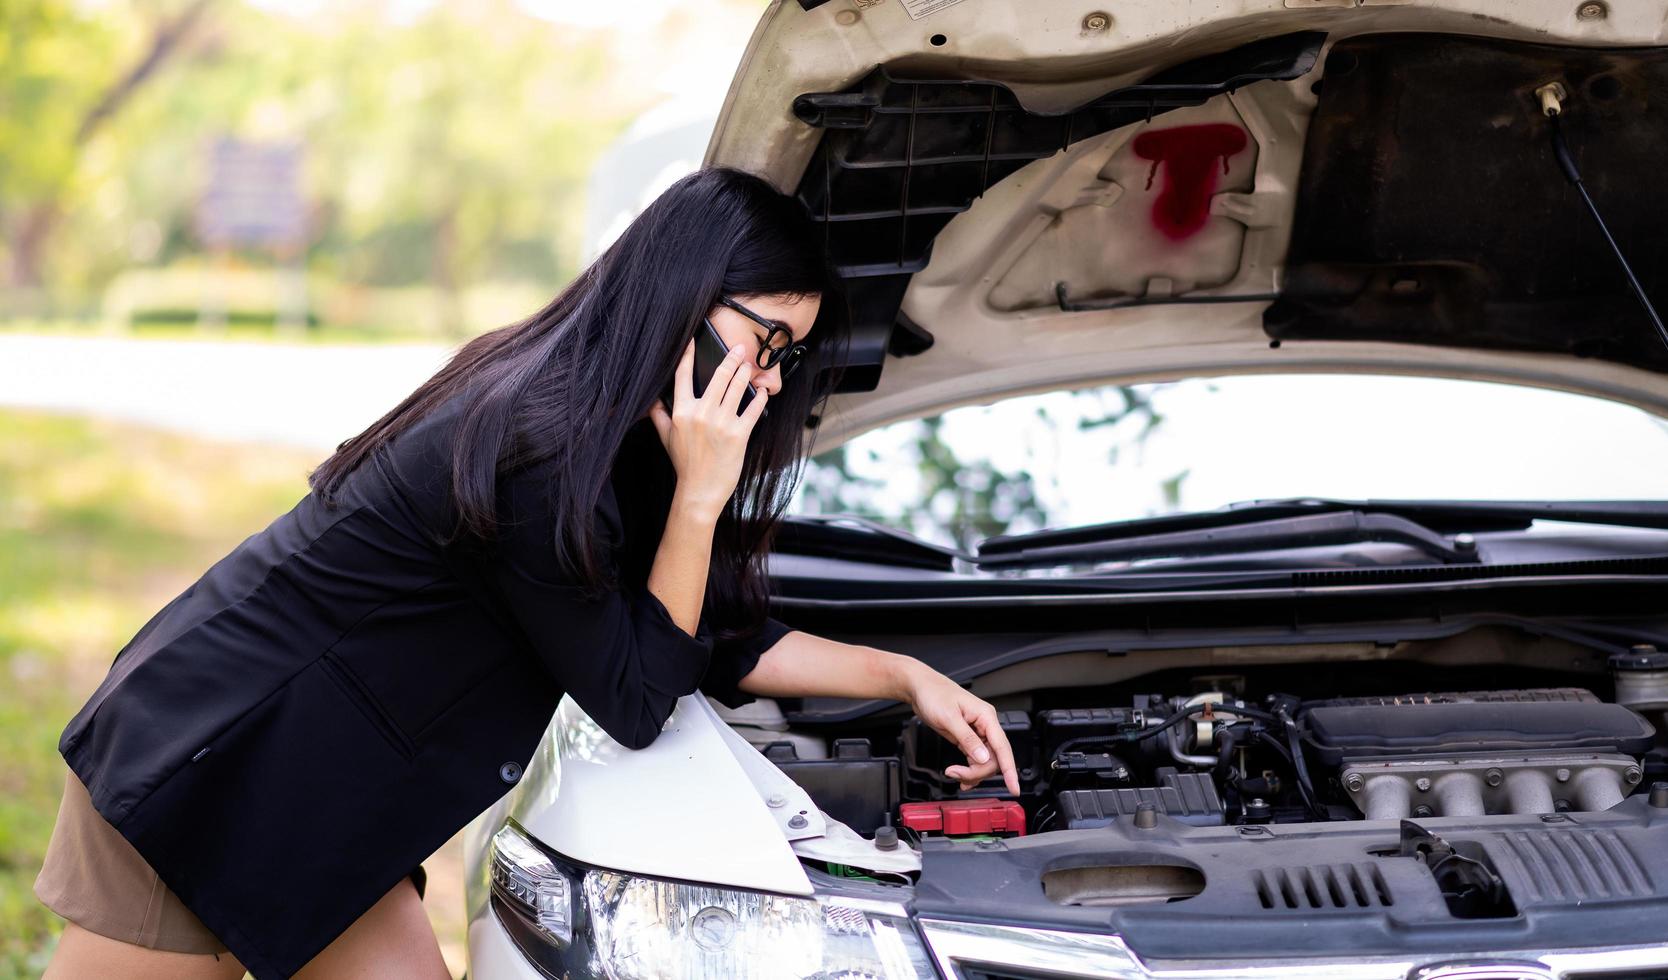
x: 1114, y: 453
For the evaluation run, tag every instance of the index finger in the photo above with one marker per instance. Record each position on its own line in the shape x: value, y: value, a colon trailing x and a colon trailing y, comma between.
x: 997, y: 739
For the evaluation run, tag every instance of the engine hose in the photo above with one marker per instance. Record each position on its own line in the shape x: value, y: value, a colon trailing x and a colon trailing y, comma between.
x: 1072, y: 744
x: 1262, y: 735
x: 1304, y: 785
x: 1267, y: 738
x: 1197, y: 709
x: 1225, y: 754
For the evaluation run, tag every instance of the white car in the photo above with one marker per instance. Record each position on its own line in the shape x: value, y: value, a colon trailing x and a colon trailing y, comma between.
x: 1327, y: 734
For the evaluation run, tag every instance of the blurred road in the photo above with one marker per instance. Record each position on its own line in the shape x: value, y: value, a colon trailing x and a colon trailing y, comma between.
x: 306, y: 395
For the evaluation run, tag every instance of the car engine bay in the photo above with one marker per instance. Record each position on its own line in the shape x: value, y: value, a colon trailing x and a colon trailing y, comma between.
x: 1232, y: 754
x: 1278, y: 788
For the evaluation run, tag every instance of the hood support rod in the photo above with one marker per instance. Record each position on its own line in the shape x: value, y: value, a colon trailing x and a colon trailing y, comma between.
x: 1551, y: 99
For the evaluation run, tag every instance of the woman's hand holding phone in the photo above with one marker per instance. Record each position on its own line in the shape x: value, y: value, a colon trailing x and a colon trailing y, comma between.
x: 703, y: 435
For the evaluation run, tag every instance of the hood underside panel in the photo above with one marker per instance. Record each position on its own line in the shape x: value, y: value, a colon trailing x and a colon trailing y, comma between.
x: 900, y: 157
x: 1431, y: 209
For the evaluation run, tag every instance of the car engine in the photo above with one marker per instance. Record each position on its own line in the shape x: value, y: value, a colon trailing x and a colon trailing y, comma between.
x: 1264, y: 797
x: 1223, y: 758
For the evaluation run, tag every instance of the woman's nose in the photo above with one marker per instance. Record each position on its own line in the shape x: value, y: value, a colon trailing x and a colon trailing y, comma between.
x: 770, y: 381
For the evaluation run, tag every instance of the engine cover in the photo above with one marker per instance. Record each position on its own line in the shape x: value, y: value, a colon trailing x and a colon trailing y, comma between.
x: 1446, y: 724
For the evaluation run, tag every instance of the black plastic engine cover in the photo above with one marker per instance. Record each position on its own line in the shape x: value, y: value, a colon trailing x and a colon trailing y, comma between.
x: 1189, y: 797
x: 1339, y: 888
x: 1414, y: 727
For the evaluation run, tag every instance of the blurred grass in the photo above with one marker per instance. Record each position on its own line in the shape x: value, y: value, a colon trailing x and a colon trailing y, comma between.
x: 100, y: 524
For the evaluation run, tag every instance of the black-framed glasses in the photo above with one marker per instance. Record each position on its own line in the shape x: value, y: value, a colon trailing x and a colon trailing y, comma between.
x: 773, y: 351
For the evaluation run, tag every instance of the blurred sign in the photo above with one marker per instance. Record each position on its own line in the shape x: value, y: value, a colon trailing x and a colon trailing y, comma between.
x: 253, y: 195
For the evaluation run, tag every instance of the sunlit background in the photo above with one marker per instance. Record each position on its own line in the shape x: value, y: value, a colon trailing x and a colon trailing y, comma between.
x: 234, y: 233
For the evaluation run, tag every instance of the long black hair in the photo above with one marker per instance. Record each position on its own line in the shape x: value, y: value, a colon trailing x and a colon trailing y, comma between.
x: 570, y: 383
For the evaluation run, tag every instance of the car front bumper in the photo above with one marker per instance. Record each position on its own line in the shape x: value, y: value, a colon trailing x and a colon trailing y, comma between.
x: 999, y: 952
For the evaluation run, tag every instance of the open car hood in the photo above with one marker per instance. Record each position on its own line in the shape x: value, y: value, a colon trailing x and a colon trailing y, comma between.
x: 1022, y: 197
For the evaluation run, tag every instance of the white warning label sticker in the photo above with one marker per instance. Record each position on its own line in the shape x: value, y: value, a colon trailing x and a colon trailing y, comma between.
x: 922, y: 8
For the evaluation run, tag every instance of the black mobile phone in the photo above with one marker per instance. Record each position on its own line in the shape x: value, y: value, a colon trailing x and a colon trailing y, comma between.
x: 709, y: 354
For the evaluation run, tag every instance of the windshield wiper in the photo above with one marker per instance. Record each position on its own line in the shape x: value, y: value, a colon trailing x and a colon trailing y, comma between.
x: 1485, y: 515
x: 852, y: 538
x: 1440, y: 516
x: 1439, y: 528
x: 1433, y: 526
x: 1246, y: 534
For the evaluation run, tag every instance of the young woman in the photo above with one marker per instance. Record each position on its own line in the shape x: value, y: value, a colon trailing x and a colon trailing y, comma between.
x: 256, y: 782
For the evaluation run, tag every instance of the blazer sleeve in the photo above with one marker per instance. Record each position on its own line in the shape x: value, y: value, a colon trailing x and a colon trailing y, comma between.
x: 621, y: 656
x: 734, y: 659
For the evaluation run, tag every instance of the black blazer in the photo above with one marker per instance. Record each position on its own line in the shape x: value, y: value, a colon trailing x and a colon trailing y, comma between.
x: 337, y: 697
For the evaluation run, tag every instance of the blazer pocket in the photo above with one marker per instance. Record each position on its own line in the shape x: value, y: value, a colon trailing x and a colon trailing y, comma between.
x: 375, y: 713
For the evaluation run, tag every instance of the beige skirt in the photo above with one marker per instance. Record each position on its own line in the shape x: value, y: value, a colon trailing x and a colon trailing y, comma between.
x: 94, y: 878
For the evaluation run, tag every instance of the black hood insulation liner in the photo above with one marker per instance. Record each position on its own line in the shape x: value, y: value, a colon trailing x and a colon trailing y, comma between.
x: 1432, y: 210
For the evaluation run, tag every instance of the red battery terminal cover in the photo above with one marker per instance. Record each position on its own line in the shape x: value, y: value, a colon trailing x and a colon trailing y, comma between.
x: 953, y: 817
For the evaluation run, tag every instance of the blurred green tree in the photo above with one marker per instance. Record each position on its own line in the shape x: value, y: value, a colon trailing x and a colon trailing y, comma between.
x: 446, y: 147
x: 62, y: 82
x: 962, y: 497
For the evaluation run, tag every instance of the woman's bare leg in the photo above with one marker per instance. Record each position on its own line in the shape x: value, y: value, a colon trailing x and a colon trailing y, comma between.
x: 392, y: 940
x: 82, y: 953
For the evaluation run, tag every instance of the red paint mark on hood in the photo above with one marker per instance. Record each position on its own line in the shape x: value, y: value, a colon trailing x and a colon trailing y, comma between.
x: 1188, y: 156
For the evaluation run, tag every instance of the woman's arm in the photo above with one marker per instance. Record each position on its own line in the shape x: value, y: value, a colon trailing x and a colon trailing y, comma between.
x: 801, y: 664
x: 678, y: 577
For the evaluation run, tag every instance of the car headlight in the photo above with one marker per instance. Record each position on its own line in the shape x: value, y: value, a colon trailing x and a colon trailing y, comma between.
x: 573, y: 921
x: 527, y: 879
